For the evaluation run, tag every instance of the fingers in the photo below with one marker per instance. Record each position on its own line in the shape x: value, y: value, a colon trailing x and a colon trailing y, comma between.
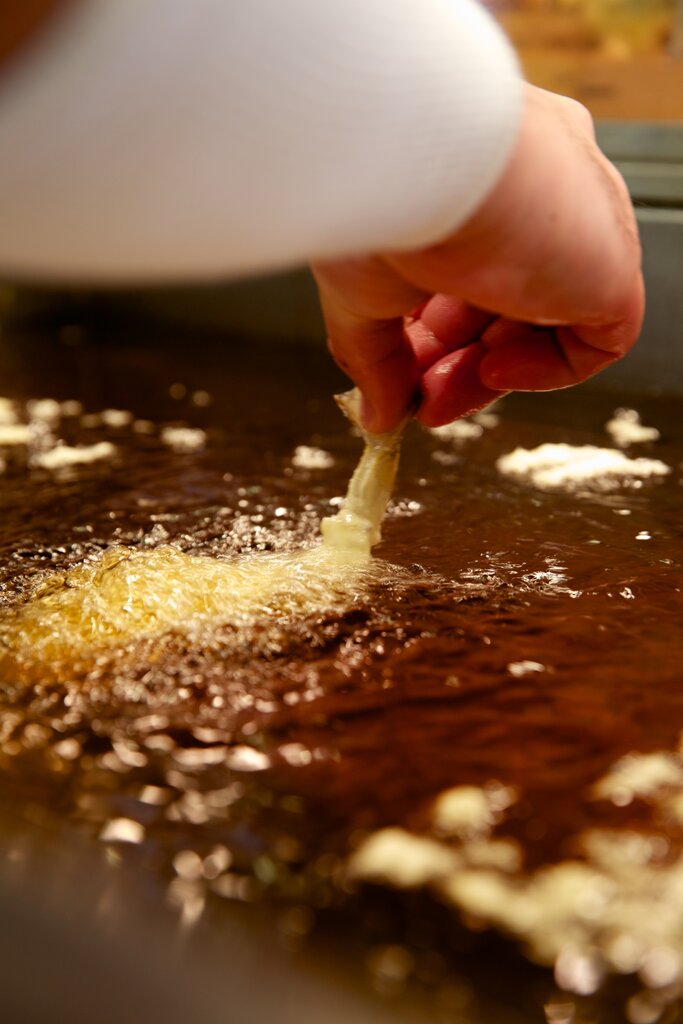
x: 454, y: 322
x: 523, y: 357
x: 529, y: 359
x: 620, y: 336
x: 489, y: 357
x: 453, y: 387
x: 377, y: 357
x: 509, y: 357
x: 444, y: 325
x: 367, y: 287
x: 442, y: 339
x: 363, y: 304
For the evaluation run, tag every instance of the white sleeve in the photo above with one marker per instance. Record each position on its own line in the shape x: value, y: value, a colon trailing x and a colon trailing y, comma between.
x: 185, y: 139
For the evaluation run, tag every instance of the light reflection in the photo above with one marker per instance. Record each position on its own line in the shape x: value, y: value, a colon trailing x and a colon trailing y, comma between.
x: 626, y: 428
x: 247, y: 759
x: 560, y: 1011
x: 661, y: 967
x: 390, y: 966
x: 68, y: 749
x: 199, y: 757
x: 643, y: 1009
x: 232, y: 887
x: 579, y: 972
x: 294, y: 925
x: 122, y: 830
x: 155, y: 795
x: 625, y: 951
x: 188, y: 864
x: 189, y: 899
x: 216, y: 862
x: 295, y: 754
x: 519, y: 669
x: 639, y: 775
x: 129, y: 753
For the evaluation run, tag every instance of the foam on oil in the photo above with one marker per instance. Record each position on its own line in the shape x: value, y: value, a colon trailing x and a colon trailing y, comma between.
x: 131, y: 594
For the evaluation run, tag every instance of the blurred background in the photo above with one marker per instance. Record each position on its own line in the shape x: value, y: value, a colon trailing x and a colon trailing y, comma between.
x: 622, y: 58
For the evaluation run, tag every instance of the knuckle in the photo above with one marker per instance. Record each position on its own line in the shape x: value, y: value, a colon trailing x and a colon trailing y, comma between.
x: 580, y: 115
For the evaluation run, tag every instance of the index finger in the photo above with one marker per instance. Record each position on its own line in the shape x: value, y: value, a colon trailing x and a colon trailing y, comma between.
x: 378, y: 359
x: 364, y: 302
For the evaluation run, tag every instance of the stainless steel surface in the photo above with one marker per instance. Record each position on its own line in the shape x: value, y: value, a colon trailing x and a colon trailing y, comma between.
x: 656, y: 362
x: 85, y: 941
x: 649, y: 155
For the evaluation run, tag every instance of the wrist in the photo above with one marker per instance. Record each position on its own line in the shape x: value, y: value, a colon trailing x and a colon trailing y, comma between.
x: 555, y: 239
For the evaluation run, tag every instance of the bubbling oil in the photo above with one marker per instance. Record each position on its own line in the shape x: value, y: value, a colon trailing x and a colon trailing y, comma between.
x: 364, y: 703
x: 129, y: 594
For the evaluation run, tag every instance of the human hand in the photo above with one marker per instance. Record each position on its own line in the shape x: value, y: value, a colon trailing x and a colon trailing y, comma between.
x: 539, y: 289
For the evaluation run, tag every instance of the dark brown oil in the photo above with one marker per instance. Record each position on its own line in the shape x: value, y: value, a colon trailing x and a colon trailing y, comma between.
x: 404, y: 695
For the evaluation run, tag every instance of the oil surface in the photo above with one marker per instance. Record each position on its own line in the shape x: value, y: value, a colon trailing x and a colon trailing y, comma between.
x: 524, y: 638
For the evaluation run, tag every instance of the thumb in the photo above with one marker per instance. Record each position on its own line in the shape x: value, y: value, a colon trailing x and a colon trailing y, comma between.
x: 363, y: 303
x: 378, y: 359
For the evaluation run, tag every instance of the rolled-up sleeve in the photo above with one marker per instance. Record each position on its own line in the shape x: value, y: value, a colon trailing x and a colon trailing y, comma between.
x: 186, y: 139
